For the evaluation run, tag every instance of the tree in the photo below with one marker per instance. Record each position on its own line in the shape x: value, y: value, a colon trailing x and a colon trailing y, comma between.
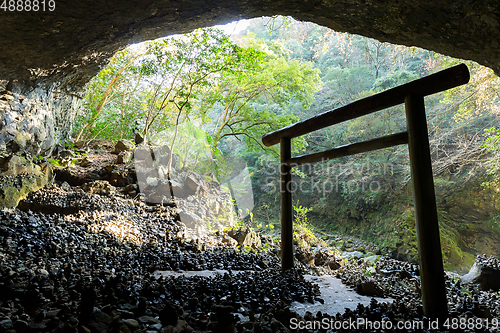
x: 271, y: 81
x: 184, y: 68
x: 109, y: 84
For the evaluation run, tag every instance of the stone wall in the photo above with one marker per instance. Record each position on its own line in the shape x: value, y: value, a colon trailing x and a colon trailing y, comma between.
x: 33, y: 120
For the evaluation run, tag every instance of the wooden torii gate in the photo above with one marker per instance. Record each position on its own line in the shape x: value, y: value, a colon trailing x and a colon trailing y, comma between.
x: 412, y: 94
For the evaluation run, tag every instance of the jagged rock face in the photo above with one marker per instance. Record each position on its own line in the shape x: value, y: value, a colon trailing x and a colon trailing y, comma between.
x: 34, y: 120
x: 62, y: 49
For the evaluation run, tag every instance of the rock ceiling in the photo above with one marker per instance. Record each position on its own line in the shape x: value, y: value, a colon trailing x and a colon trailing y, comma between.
x: 70, y: 43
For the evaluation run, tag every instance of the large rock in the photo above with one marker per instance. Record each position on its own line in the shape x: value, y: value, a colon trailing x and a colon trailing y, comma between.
x: 66, y: 154
x: 5, y: 324
x: 120, y: 178
x: 138, y: 138
x: 246, y: 237
x: 99, y: 322
x: 201, y: 207
x: 485, y: 272
x: 123, y: 145
x: 306, y: 257
x: 15, y: 187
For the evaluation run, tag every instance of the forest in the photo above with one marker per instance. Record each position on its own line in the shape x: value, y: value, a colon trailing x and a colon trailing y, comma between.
x: 211, y: 96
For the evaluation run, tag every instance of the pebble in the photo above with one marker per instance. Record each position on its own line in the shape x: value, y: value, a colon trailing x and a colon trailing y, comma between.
x: 5, y: 323
x: 148, y: 320
x: 65, y: 253
x: 132, y: 323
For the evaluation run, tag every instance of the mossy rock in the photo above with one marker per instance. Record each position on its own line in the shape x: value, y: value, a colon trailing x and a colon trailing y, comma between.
x: 15, y: 188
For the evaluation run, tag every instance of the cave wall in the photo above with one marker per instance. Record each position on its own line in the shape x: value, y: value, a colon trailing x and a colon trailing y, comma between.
x: 33, y: 120
x: 51, y: 55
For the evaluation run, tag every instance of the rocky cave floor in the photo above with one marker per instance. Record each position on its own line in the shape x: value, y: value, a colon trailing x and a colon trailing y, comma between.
x: 73, y: 261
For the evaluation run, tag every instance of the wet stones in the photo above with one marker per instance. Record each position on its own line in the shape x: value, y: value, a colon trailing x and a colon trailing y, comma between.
x: 29, y: 120
x: 12, y: 165
x: 71, y: 177
x: 5, y: 324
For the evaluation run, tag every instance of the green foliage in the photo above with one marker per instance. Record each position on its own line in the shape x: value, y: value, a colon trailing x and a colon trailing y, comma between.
x: 110, y: 100
x: 393, y: 79
x: 304, y: 232
x: 301, y: 214
x: 55, y: 162
x: 492, y: 145
x: 216, y: 97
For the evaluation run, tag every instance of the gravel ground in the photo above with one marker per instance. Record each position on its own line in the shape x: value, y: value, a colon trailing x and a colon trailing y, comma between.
x: 72, y: 261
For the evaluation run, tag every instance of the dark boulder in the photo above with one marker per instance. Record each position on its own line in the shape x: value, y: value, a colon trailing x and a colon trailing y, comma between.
x: 485, y: 272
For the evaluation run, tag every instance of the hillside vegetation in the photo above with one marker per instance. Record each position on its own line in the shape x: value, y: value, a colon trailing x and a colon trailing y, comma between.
x: 211, y: 98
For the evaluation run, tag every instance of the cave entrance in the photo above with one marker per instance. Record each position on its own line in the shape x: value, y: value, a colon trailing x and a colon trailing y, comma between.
x: 412, y: 95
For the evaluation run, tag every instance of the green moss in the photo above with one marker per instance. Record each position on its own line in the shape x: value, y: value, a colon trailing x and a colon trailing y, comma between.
x: 14, y: 189
x: 55, y: 162
x: 454, y: 258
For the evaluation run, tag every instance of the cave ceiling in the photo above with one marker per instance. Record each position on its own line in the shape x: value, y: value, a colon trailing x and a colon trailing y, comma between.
x: 69, y: 44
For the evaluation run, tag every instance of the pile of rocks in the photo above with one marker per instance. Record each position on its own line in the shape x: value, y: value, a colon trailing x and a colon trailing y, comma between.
x: 202, y: 206
x: 83, y: 259
x: 88, y: 265
x: 142, y: 171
